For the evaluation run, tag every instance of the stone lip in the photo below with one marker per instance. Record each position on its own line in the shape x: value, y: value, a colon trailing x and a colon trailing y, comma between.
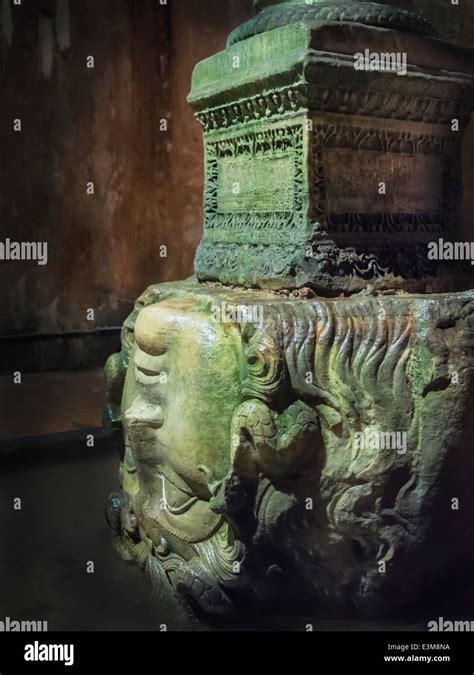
x: 327, y: 282
x: 212, y: 292
x: 260, y: 5
x: 370, y: 13
x: 290, y: 52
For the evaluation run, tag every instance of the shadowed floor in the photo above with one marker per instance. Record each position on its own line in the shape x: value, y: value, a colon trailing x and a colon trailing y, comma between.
x: 51, y: 403
x: 47, y: 545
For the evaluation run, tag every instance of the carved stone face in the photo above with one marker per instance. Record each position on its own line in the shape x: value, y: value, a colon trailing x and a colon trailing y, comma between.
x: 242, y: 435
x: 180, y: 391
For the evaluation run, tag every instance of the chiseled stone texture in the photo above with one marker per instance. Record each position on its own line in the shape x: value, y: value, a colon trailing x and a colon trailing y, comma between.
x: 298, y: 143
x: 244, y: 480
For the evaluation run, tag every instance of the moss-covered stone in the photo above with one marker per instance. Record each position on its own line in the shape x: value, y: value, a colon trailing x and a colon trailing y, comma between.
x: 309, y: 426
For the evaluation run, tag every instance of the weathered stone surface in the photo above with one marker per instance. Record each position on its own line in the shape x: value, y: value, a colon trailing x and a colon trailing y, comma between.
x: 386, y: 14
x: 287, y: 109
x: 241, y: 413
x: 283, y: 448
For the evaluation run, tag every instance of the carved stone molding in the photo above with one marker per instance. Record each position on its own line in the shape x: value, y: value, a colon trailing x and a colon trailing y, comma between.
x: 278, y: 103
x: 238, y: 220
x: 316, y: 207
x: 371, y: 13
x: 437, y: 153
x: 360, y: 132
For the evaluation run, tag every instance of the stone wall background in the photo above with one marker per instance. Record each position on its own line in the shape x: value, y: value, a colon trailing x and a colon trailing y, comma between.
x: 103, y: 125
x: 100, y: 125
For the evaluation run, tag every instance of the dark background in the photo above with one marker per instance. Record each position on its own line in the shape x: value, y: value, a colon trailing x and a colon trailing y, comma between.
x: 100, y: 125
x: 103, y: 125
